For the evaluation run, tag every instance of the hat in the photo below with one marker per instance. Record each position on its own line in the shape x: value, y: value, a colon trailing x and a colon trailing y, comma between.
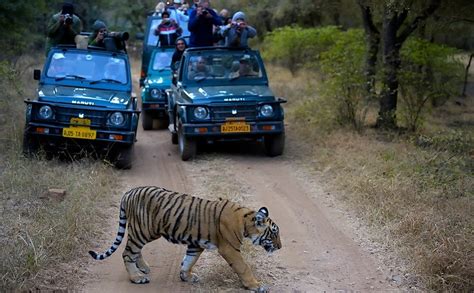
x: 58, y: 56
x: 246, y: 58
x: 238, y: 15
x: 98, y: 25
x: 177, y: 1
x: 67, y: 8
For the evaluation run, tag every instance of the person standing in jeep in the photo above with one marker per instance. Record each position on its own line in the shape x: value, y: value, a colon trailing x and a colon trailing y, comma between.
x: 63, y: 27
x: 201, y: 24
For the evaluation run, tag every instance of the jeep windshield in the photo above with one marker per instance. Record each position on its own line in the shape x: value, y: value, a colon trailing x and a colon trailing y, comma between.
x: 84, y: 66
x: 224, y: 67
x: 162, y: 60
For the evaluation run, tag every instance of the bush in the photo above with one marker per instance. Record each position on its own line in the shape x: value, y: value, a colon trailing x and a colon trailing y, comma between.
x: 344, y: 80
x: 295, y: 47
x: 430, y: 75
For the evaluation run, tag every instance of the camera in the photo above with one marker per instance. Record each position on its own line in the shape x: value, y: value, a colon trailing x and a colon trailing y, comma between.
x: 121, y: 36
x: 67, y: 18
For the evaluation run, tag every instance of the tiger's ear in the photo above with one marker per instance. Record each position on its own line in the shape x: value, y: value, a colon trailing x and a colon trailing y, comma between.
x: 261, y: 216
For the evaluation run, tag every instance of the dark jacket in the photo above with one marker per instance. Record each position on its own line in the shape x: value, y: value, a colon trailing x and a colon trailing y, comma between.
x: 201, y: 28
x: 61, y: 33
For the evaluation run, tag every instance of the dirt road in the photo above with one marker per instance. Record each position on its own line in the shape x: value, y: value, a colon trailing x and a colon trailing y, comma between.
x: 319, y: 251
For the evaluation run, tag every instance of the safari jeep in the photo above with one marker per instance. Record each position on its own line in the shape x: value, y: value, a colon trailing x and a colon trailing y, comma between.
x: 223, y: 94
x: 154, y: 96
x: 84, y: 101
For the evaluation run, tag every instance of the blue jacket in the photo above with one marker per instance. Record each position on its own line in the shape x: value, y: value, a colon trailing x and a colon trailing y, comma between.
x: 201, y: 28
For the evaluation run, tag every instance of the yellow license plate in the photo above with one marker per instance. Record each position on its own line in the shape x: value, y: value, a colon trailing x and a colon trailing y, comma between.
x: 79, y: 132
x: 80, y: 121
x: 230, y: 127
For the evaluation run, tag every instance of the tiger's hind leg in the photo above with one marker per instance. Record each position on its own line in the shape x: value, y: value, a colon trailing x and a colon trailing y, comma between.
x: 135, y: 264
x: 192, y: 255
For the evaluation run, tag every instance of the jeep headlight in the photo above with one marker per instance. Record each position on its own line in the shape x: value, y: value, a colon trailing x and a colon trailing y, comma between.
x: 45, y: 112
x: 155, y: 93
x: 266, y: 111
x: 201, y: 113
x: 116, y: 119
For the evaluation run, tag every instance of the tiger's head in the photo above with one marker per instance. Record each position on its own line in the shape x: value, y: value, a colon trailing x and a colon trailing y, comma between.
x: 263, y: 231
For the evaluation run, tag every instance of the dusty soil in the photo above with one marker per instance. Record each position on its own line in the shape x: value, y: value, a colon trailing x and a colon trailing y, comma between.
x: 321, y: 250
x: 324, y: 247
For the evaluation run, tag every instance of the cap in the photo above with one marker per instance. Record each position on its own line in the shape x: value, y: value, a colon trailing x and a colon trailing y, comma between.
x: 238, y: 15
x: 58, y: 56
x: 246, y: 58
x: 98, y: 24
x: 67, y: 8
x: 177, y: 1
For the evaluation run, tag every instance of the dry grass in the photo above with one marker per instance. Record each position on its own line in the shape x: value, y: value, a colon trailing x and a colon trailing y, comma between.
x: 415, y: 190
x: 42, y: 238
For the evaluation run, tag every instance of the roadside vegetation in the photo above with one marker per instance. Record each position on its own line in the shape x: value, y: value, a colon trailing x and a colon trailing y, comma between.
x: 413, y: 186
x: 40, y: 232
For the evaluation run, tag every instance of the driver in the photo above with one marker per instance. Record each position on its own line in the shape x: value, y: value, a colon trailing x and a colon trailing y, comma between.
x: 201, y: 70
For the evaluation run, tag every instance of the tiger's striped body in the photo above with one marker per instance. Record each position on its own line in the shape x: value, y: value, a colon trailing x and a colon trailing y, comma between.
x: 153, y: 212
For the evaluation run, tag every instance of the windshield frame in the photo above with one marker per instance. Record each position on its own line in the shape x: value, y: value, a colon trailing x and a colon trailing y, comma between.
x: 86, y: 78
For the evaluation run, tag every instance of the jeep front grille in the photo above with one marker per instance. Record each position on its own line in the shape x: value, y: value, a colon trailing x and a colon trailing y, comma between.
x: 64, y: 115
x: 249, y: 112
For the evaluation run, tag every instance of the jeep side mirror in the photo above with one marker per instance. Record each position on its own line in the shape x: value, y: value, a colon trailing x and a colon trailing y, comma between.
x: 36, y: 74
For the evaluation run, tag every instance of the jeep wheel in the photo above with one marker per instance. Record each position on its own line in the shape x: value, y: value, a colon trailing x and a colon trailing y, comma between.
x: 123, y: 159
x: 147, y: 121
x: 274, y: 144
x: 163, y: 122
x: 30, y: 145
x: 174, y: 137
x: 187, y: 146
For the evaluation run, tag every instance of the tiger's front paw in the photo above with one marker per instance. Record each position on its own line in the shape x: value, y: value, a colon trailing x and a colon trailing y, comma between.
x: 260, y: 289
x: 139, y: 279
x: 188, y: 277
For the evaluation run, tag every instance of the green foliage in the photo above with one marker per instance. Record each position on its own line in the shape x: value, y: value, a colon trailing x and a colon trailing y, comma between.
x: 430, y: 75
x: 296, y: 47
x: 344, y: 79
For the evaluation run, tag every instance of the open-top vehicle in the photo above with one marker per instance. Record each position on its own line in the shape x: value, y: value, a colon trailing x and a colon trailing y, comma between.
x: 157, y: 84
x: 84, y: 101
x: 223, y: 94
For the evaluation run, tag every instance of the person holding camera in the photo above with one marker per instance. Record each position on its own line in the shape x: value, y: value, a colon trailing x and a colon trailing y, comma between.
x: 63, y: 27
x: 97, y: 37
x: 237, y: 32
x: 168, y: 30
x: 201, y: 25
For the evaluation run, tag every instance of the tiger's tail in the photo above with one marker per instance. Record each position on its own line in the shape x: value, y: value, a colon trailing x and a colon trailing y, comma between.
x: 118, y: 239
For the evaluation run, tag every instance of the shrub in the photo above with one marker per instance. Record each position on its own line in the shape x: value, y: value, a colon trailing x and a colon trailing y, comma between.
x: 344, y: 81
x: 295, y: 47
x: 429, y: 73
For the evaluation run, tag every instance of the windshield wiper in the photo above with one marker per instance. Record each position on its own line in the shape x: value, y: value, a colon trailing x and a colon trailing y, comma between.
x: 70, y: 76
x: 106, y: 80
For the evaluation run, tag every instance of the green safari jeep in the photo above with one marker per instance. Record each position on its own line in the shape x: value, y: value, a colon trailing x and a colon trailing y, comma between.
x: 223, y: 94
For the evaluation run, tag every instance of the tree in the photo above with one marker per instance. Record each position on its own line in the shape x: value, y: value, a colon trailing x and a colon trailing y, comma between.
x: 394, y: 33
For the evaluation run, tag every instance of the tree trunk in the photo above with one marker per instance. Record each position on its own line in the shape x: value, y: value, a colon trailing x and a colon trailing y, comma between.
x: 372, y: 41
x: 466, y: 74
x: 391, y: 64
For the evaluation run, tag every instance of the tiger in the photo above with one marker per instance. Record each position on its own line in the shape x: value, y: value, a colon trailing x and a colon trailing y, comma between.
x: 152, y: 212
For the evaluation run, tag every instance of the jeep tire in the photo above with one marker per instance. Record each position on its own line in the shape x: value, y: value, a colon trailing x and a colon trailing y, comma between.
x: 30, y: 145
x: 147, y: 121
x: 187, y: 145
x: 274, y: 144
x: 123, y: 157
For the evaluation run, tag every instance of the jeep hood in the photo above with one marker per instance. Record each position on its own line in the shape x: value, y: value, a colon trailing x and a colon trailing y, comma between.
x: 84, y: 96
x: 237, y: 93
